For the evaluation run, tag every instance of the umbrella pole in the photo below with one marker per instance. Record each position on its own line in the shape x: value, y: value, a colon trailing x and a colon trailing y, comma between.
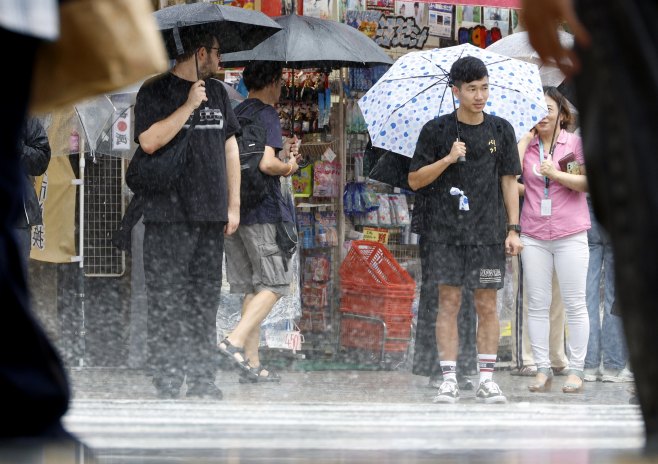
x: 340, y: 216
x: 555, y: 129
x: 80, y: 258
x: 342, y: 156
x: 292, y: 106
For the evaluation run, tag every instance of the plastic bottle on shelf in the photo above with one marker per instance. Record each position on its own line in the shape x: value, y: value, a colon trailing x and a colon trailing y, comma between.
x: 322, y: 236
x: 349, y: 117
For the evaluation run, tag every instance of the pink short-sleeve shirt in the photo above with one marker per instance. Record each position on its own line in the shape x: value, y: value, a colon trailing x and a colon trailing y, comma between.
x: 569, y: 212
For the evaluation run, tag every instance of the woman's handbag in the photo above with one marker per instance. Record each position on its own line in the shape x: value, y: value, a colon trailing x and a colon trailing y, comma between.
x: 103, y: 45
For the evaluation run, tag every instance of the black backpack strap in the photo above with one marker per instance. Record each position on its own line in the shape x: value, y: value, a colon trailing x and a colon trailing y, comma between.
x: 241, y: 109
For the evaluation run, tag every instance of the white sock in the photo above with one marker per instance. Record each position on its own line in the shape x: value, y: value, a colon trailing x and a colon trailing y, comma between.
x: 449, y: 370
x: 487, y: 363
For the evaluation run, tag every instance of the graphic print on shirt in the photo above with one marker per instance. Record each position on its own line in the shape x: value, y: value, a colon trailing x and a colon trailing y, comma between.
x: 210, y: 118
x: 492, y: 146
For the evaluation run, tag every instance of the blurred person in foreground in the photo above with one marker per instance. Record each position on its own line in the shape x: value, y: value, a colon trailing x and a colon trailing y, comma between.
x: 34, y: 388
x: 255, y: 266
x: 467, y: 207
x: 619, y: 121
x: 185, y: 224
x: 35, y: 157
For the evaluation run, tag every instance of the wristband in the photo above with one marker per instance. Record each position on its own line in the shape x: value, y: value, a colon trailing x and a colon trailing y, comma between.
x: 289, y: 170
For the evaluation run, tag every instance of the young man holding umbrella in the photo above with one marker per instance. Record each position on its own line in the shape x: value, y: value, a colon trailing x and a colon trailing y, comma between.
x: 185, y: 224
x: 464, y: 169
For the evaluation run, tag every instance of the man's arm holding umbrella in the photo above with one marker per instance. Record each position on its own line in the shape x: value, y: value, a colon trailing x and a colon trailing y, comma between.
x: 427, y: 174
x: 162, y: 132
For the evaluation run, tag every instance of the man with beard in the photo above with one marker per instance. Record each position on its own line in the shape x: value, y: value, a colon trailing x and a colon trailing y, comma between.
x: 185, y: 224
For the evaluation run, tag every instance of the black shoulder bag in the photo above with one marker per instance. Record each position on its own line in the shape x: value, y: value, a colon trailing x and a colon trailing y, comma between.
x: 159, y: 172
x: 286, y: 235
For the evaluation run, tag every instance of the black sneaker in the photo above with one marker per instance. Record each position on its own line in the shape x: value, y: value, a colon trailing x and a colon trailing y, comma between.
x: 465, y: 383
x: 435, y: 381
x: 204, y: 389
x: 166, y: 389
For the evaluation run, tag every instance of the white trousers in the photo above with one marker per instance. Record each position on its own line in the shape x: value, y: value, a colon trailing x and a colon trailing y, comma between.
x: 569, y: 257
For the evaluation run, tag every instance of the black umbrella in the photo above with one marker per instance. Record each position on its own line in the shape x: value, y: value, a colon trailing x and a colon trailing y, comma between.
x: 307, y: 42
x: 237, y: 28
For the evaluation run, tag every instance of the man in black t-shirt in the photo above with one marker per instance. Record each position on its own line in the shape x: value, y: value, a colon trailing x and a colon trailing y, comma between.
x: 185, y: 225
x: 465, y: 208
x: 255, y: 266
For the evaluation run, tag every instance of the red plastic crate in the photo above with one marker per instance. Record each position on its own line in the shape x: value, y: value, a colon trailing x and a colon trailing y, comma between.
x: 368, y: 303
x: 377, y: 290
x: 368, y: 334
x: 371, y: 263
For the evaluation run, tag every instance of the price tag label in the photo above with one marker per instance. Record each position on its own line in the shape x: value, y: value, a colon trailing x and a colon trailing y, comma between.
x: 375, y: 234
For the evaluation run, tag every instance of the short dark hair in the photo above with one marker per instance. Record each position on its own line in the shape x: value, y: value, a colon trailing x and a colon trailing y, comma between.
x: 259, y: 74
x: 192, y: 42
x: 416, y: 4
x: 567, y: 116
x: 467, y: 69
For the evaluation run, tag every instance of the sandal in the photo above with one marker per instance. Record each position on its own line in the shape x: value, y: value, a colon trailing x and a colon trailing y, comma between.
x: 541, y: 387
x: 571, y: 387
x: 232, y: 352
x: 260, y: 374
x: 559, y: 370
x: 525, y: 371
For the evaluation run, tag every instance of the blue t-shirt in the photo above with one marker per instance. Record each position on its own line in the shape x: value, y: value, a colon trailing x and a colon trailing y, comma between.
x: 274, y: 207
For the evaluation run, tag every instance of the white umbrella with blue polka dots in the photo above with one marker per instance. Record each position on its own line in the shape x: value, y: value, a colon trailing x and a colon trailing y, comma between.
x: 415, y: 89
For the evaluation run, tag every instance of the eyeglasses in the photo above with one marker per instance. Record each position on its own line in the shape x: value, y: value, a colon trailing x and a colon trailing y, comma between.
x: 215, y: 48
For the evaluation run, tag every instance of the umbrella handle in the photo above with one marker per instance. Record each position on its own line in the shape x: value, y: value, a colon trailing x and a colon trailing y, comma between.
x: 461, y: 159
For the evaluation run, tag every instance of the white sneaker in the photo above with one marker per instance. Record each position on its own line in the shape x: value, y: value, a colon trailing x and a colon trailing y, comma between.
x: 614, y: 376
x: 448, y: 392
x: 592, y: 374
x: 489, y: 392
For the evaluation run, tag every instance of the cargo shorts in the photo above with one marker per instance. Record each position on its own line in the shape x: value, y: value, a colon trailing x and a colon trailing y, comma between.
x: 254, y: 262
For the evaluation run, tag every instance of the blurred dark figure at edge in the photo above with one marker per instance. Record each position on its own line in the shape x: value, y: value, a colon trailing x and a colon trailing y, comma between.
x: 616, y: 77
x: 34, y: 151
x: 34, y: 389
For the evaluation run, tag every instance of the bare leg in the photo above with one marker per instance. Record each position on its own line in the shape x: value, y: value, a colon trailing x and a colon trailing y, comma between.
x: 247, y: 334
x: 251, y: 343
x: 488, y: 331
x: 447, y: 338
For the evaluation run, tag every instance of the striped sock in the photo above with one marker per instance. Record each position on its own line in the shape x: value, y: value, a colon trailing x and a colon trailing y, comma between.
x: 449, y: 370
x: 487, y: 363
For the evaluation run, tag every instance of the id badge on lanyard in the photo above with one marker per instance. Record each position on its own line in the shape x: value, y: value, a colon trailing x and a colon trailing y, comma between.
x: 546, y: 205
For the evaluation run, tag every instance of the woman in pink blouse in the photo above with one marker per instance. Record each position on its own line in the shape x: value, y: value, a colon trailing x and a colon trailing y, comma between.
x: 554, y: 223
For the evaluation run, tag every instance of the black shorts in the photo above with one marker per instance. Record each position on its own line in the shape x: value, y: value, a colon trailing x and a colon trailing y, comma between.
x: 470, y: 266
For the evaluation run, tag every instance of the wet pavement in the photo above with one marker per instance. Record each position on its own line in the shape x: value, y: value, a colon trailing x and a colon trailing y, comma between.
x: 350, y: 416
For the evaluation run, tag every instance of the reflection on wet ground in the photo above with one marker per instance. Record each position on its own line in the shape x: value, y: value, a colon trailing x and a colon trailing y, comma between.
x: 349, y: 417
